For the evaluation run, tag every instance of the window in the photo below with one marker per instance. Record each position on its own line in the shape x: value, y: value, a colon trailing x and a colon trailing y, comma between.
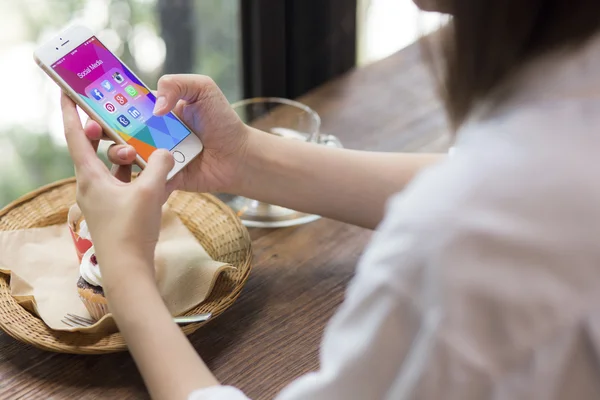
x: 151, y: 36
x: 386, y: 26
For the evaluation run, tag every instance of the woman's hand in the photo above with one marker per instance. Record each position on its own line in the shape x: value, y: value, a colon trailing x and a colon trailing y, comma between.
x: 124, y: 220
x: 123, y: 217
x: 198, y: 101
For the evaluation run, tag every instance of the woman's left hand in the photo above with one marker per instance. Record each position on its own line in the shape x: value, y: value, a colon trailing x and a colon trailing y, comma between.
x: 123, y: 217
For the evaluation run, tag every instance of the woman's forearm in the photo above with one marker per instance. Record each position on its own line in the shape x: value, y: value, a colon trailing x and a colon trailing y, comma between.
x: 346, y: 185
x: 167, y: 361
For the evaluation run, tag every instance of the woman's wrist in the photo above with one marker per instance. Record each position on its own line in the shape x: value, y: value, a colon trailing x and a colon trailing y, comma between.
x: 249, y: 161
x: 130, y: 289
x: 120, y: 268
x: 116, y: 248
x: 272, y: 167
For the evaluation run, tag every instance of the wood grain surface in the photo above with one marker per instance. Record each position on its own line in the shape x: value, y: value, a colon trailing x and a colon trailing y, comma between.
x: 272, y: 334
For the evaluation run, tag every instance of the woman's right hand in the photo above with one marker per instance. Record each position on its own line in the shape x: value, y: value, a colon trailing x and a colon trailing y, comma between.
x: 199, y: 102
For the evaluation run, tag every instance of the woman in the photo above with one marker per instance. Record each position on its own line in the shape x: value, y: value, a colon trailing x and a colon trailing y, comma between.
x: 482, y: 280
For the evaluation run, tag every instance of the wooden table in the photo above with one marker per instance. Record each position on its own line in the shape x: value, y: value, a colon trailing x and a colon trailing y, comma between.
x: 272, y: 334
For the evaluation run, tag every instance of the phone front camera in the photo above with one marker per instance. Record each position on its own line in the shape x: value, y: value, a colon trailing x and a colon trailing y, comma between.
x: 57, y: 48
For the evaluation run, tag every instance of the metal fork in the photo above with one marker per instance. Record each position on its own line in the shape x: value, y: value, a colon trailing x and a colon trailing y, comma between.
x: 75, y: 321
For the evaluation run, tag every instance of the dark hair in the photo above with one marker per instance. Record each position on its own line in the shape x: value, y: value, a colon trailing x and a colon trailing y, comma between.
x: 487, y: 41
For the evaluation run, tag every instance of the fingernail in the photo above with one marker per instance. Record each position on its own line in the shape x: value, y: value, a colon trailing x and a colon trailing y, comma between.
x: 122, y: 153
x: 161, y: 103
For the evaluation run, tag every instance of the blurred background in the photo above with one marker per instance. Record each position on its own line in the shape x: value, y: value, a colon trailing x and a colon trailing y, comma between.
x: 249, y: 47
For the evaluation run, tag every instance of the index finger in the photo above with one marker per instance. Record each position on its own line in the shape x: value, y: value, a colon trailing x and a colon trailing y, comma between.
x: 81, y: 149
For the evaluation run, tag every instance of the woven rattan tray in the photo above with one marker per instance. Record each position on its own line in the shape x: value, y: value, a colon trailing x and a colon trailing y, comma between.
x: 212, y: 222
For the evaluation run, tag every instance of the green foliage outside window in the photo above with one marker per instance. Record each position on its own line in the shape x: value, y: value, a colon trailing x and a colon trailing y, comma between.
x: 31, y: 157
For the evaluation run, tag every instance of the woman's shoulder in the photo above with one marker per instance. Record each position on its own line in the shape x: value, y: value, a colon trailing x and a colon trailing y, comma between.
x: 541, y: 153
x: 522, y: 177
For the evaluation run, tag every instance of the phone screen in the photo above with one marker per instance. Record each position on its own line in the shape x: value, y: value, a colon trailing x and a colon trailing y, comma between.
x: 123, y: 102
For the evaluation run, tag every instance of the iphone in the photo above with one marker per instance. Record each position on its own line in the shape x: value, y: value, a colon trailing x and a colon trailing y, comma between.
x: 110, y: 93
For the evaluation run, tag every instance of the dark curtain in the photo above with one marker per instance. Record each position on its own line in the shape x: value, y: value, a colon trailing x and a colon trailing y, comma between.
x: 178, y: 30
x: 293, y: 46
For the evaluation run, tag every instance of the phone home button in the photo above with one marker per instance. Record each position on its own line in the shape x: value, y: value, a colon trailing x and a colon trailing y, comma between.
x: 178, y: 156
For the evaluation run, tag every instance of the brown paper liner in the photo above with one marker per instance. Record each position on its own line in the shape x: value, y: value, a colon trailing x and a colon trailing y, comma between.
x: 182, y: 284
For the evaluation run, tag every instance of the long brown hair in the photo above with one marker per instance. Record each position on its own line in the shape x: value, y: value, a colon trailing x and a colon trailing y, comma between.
x: 487, y: 41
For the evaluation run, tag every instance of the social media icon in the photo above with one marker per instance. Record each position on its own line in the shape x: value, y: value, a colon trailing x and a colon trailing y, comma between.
x: 107, y: 86
x: 131, y: 91
x: 123, y: 120
x: 110, y: 107
x: 134, y: 112
x: 97, y: 94
x: 118, y: 77
x: 119, y: 98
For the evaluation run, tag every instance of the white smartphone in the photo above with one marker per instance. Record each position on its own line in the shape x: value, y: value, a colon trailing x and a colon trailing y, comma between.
x: 110, y: 93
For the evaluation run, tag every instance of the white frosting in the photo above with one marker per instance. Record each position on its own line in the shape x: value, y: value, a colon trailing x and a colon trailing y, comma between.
x: 84, y: 232
x: 88, y: 271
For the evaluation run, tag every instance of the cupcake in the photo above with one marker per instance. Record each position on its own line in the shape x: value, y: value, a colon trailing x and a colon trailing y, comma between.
x: 89, y: 285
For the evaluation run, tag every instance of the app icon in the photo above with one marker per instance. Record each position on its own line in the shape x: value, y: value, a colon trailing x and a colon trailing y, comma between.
x: 110, y: 107
x: 107, y: 86
x: 97, y: 94
x: 119, y: 98
x: 118, y: 77
x: 131, y: 91
x: 134, y: 112
x: 123, y: 120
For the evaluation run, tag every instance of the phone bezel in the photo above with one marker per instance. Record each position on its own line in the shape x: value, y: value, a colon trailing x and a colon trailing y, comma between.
x: 67, y: 41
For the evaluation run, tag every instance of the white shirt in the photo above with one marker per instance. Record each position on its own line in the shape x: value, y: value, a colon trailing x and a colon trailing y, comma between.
x: 483, y: 281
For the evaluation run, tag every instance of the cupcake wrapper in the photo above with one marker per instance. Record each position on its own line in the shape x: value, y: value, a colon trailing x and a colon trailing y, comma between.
x: 81, y: 245
x: 96, y: 310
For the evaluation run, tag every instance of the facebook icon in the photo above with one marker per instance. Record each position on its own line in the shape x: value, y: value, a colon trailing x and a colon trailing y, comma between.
x: 134, y: 112
x: 97, y: 94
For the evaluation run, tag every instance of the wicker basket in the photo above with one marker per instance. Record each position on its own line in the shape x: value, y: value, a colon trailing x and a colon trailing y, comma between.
x: 212, y: 222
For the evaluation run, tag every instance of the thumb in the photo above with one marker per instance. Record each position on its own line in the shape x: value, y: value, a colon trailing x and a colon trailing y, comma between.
x: 187, y: 87
x: 159, y: 165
